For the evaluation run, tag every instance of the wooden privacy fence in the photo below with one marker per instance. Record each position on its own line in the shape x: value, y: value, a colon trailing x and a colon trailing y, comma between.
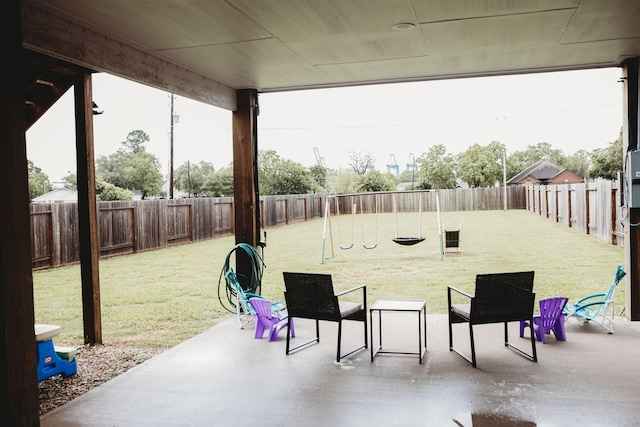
x: 133, y: 226
x: 126, y: 227
x: 591, y: 208
x: 461, y: 199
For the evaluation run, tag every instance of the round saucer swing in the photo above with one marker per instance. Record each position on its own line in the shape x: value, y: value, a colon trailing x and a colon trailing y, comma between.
x: 408, y: 241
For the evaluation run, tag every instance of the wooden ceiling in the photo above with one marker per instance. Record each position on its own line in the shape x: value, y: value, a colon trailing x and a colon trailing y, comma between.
x: 216, y: 46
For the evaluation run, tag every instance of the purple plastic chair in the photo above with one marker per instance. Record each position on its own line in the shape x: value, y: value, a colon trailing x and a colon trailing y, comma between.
x: 550, y: 319
x: 267, y: 320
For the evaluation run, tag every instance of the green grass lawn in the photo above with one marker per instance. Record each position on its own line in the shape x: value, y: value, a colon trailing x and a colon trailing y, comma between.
x: 160, y: 298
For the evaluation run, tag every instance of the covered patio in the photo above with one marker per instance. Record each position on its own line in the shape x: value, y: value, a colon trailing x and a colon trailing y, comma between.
x: 226, y: 377
x: 225, y: 53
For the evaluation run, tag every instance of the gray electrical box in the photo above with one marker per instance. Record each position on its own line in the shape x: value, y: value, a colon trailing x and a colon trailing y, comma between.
x: 633, y: 179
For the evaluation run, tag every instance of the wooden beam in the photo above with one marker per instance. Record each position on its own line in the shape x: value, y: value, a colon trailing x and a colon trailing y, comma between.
x: 55, y: 36
x: 87, y: 212
x: 19, y: 405
x: 244, y: 169
x: 245, y: 177
x: 631, y: 141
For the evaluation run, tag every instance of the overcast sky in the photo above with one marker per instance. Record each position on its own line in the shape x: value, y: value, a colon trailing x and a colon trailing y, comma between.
x: 569, y: 110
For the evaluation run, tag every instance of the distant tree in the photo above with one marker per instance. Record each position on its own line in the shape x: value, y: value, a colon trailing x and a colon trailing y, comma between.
x: 609, y: 161
x: 38, y: 181
x: 361, y: 162
x: 318, y: 174
x: 191, y: 177
x: 268, y: 162
x: 377, y: 181
x: 517, y: 162
x: 520, y: 160
x: 543, y: 151
x: 202, y: 180
x: 71, y: 181
x: 112, y: 168
x: 134, y: 143
x: 279, y: 176
x: 220, y: 183
x: 104, y: 190
x: 408, y: 175
x: 345, y: 181
x: 144, y: 174
x: 579, y: 163
x: 132, y: 167
x: 108, y: 192
x: 481, y: 166
x: 437, y: 168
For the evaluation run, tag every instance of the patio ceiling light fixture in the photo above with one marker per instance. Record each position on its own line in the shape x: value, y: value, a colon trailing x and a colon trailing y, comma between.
x: 404, y: 26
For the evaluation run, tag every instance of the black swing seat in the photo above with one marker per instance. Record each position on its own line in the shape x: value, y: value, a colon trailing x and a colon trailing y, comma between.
x: 408, y: 241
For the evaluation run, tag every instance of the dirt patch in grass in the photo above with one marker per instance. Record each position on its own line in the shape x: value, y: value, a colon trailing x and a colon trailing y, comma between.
x: 96, y: 365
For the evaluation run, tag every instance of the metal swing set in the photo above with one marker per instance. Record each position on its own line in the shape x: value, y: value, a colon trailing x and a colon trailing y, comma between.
x: 327, y: 227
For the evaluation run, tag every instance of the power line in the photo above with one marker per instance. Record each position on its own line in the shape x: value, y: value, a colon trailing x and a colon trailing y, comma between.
x: 439, y: 122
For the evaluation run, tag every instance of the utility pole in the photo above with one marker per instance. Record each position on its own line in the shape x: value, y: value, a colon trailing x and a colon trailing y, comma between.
x: 189, y: 176
x: 171, y: 153
x: 504, y: 175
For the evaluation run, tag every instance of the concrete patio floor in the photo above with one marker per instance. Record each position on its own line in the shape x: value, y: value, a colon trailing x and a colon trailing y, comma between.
x: 225, y: 377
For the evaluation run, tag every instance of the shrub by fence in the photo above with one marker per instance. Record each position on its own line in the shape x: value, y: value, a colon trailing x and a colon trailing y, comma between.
x: 132, y: 226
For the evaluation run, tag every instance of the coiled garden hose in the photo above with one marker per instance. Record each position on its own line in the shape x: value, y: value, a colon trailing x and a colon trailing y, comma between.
x: 255, y: 280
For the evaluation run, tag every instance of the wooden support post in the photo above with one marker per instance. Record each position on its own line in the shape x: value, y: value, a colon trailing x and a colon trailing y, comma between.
x: 245, y: 178
x: 631, y: 141
x: 87, y: 212
x: 18, y: 377
x: 614, y: 235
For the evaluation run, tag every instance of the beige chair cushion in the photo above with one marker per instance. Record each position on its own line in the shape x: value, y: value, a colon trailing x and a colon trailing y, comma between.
x: 463, y: 310
x: 348, y: 308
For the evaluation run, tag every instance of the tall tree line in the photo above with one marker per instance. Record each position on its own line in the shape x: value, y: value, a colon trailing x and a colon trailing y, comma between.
x: 132, y: 168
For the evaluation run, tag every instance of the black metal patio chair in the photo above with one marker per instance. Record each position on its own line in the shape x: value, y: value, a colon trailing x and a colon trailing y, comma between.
x: 311, y: 296
x: 499, y: 298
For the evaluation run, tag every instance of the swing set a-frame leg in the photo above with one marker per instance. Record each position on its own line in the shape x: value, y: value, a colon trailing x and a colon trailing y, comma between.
x: 327, y: 224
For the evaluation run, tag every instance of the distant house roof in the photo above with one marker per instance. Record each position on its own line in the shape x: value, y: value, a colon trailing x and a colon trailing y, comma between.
x: 541, y: 171
x: 59, y: 195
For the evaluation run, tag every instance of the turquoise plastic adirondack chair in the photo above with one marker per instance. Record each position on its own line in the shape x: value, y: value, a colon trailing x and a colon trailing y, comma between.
x: 599, y: 308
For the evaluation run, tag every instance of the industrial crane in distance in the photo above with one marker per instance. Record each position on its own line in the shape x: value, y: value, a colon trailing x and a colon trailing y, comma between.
x: 392, y: 166
x: 319, y: 158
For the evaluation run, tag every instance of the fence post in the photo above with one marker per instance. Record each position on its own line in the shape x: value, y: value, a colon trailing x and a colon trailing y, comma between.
x: 587, y: 209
